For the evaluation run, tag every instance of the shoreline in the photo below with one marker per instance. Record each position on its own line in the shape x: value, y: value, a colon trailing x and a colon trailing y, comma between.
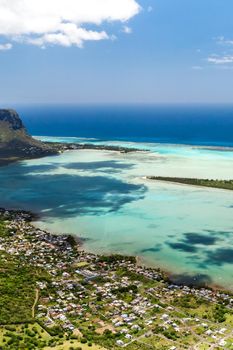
x: 191, y: 182
x: 169, y: 274
x: 197, y: 146
x: 72, y: 296
x: 31, y: 217
x: 80, y: 241
x: 59, y: 148
x: 140, y: 261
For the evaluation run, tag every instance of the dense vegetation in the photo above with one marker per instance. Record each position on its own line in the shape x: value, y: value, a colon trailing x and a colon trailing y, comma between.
x: 114, y: 258
x: 17, y: 287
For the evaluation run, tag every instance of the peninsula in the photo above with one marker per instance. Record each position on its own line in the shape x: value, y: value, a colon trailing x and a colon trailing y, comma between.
x: 221, y: 184
x: 65, y: 146
x: 15, y: 142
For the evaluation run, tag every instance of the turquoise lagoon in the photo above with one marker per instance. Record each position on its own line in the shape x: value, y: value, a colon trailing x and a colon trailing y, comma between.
x: 104, y: 198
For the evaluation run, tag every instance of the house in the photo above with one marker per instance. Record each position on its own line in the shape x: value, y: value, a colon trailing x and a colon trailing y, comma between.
x: 119, y: 343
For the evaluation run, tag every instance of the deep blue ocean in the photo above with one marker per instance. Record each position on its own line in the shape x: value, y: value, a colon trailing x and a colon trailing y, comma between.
x: 181, y: 124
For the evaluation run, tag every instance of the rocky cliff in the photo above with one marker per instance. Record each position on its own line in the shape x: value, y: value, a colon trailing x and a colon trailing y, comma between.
x: 15, y: 142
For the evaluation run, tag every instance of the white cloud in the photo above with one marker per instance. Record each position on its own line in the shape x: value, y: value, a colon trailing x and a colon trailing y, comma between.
x: 127, y: 30
x: 224, y: 59
x: 220, y: 59
x: 223, y: 41
x: 69, y: 35
x: 61, y: 22
x: 5, y: 47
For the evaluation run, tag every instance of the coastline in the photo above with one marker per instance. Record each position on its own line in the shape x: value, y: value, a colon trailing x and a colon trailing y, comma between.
x: 78, y: 242
x: 207, y: 146
x: 69, y: 290
x: 81, y: 241
x: 171, y: 276
x: 189, y: 183
x: 60, y: 147
x: 64, y: 147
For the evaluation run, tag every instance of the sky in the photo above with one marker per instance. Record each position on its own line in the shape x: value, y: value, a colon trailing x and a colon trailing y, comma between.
x: 116, y: 51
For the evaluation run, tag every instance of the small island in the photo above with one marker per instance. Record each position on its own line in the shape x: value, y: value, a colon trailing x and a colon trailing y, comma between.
x: 221, y: 184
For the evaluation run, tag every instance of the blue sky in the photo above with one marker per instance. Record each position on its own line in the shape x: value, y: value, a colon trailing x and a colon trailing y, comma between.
x: 168, y: 51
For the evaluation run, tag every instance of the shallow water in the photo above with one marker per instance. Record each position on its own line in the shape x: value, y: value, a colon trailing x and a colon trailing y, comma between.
x: 103, y: 197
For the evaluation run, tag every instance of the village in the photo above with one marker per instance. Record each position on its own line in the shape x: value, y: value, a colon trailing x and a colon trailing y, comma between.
x: 81, y: 300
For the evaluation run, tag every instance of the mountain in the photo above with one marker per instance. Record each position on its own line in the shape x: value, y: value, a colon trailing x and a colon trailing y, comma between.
x: 15, y: 142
